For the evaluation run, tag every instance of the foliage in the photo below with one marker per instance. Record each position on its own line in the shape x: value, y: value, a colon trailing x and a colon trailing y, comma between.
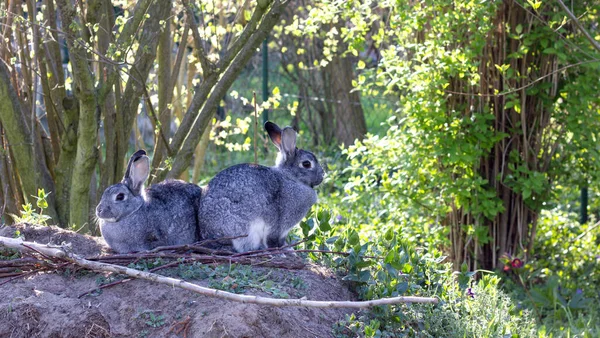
x: 569, y: 251
x: 561, y: 282
x: 387, y: 264
x: 240, y: 278
x: 30, y: 215
x: 86, y: 72
x: 484, y: 129
x: 153, y: 320
x: 369, y: 214
x: 482, y: 311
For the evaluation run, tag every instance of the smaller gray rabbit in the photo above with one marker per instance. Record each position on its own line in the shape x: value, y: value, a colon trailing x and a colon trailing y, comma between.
x: 264, y: 203
x: 136, y: 219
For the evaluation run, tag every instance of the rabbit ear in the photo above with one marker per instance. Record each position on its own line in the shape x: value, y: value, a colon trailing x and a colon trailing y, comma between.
x: 138, y: 170
x: 288, y: 141
x: 274, y: 133
x: 132, y: 159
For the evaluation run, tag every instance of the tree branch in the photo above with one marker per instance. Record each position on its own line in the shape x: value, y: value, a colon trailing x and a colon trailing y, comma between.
x: 250, y: 28
x: 207, y: 66
x: 126, y: 38
x: 587, y: 35
x: 164, y: 87
x: 189, y: 135
x: 173, y: 282
x: 199, y: 101
x: 138, y: 74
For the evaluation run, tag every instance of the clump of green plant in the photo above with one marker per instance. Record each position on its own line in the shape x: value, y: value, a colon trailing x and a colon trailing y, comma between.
x: 569, y: 251
x: 480, y: 310
x: 7, y: 254
x: 561, y: 280
x: 151, y: 319
x: 239, y: 278
x: 34, y: 216
x: 235, y: 278
x: 146, y: 264
x: 384, y: 263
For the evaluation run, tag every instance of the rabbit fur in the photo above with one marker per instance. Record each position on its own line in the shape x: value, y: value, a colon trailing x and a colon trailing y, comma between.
x: 264, y: 203
x: 136, y: 219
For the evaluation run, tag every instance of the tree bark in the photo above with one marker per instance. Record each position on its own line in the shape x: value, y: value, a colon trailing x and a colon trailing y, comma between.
x: 350, y: 121
x: 10, y: 198
x: 164, y: 86
x: 26, y: 148
x: 87, y: 129
x: 138, y: 74
x: 109, y: 172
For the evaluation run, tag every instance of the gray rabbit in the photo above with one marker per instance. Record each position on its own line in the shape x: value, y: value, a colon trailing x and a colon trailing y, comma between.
x: 136, y: 219
x: 264, y: 203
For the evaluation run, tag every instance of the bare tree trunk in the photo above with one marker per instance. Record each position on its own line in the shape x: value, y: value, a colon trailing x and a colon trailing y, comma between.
x: 27, y: 149
x: 64, y: 167
x: 109, y: 172
x: 164, y: 87
x: 135, y: 87
x: 87, y: 130
x: 199, y: 156
x: 10, y: 200
x: 349, y: 116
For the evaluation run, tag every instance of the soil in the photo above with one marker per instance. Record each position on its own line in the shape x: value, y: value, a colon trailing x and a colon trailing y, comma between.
x: 48, y: 304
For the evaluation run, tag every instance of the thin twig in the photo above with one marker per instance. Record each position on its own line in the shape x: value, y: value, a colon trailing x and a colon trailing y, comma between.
x: 23, y: 275
x: 195, y: 245
x: 587, y: 35
x: 205, y: 64
x: 334, y: 253
x: 526, y: 85
x: 585, y: 232
x: 33, y: 249
x: 268, y: 250
x: 104, y: 286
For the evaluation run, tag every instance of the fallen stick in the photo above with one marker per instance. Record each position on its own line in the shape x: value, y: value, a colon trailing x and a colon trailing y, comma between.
x: 123, y: 281
x: 105, y: 267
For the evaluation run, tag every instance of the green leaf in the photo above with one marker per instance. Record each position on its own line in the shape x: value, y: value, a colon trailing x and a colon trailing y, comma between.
x: 519, y: 29
x: 353, y: 239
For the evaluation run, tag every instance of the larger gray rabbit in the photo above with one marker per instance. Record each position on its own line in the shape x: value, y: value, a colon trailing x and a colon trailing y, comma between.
x: 264, y: 203
x: 136, y: 219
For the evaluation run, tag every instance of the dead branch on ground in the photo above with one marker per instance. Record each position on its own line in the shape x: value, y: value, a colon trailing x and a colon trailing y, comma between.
x: 66, y: 257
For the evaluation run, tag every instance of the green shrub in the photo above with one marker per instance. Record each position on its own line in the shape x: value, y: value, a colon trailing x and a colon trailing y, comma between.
x: 562, y: 280
x: 382, y: 262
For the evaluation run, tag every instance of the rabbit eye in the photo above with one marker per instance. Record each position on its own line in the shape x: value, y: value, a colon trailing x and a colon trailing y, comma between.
x: 120, y: 196
x: 306, y: 164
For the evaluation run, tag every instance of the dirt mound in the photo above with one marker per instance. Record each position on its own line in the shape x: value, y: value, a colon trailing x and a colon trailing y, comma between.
x: 50, y: 304
x: 83, y: 245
